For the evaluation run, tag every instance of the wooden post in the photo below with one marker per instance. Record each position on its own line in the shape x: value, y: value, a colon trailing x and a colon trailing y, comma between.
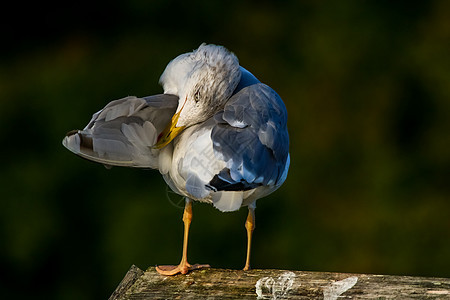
x: 276, y: 284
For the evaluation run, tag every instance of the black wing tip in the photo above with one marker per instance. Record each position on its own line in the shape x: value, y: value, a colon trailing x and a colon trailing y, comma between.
x: 219, y: 184
x: 84, y: 141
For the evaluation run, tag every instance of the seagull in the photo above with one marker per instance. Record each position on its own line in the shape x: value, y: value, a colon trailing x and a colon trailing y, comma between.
x: 217, y: 135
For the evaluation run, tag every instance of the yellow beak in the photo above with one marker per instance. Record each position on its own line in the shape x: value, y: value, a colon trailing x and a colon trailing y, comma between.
x: 169, y: 133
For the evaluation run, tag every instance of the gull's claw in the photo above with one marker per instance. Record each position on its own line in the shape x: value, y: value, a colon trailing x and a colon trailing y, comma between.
x: 181, y: 268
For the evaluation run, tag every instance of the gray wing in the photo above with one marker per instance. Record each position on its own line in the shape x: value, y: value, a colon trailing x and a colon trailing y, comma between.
x: 123, y: 133
x: 251, y: 137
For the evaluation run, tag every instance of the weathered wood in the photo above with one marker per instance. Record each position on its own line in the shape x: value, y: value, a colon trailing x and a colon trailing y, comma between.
x: 277, y: 284
x: 132, y: 275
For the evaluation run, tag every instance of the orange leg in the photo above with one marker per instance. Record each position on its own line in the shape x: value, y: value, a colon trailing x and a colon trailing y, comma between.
x: 250, y: 226
x: 184, y: 267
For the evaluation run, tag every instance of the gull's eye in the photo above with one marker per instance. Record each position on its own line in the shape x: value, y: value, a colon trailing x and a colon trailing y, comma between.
x: 197, y: 96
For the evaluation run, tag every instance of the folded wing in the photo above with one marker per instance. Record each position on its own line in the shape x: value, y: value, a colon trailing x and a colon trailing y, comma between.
x: 239, y: 155
x: 251, y: 137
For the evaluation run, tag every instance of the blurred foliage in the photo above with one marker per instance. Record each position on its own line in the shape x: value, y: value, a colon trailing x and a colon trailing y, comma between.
x: 366, y: 84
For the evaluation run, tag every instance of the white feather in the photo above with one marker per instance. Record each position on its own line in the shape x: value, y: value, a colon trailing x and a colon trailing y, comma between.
x: 165, y: 159
x: 227, y: 200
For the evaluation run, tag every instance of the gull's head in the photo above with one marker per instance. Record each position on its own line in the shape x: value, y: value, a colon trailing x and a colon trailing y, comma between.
x: 203, y: 80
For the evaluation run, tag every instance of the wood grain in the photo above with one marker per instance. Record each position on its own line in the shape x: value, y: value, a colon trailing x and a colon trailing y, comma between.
x: 277, y: 284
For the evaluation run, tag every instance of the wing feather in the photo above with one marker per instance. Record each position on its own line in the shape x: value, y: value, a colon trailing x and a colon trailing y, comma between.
x: 124, y: 131
x: 251, y: 137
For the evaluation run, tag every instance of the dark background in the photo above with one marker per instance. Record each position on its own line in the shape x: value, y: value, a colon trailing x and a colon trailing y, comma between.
x: 367, y: 87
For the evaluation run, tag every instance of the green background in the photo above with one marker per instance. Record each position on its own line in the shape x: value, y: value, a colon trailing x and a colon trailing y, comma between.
x: 367, y: 88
